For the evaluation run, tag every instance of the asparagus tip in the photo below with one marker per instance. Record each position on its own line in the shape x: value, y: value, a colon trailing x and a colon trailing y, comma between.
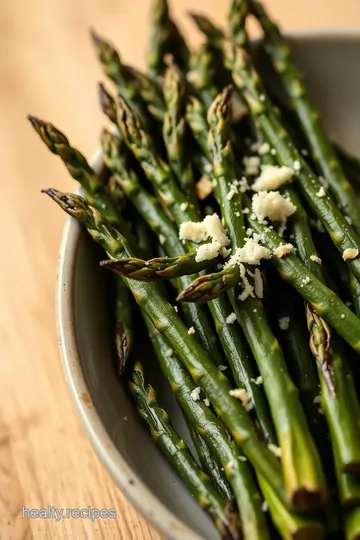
x: 95, y: 37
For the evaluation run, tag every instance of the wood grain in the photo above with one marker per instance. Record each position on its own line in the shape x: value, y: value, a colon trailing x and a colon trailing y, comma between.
x: 47, y: 68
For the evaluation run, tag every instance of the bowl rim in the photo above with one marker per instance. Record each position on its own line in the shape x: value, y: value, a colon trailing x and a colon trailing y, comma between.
x: 129, y: 483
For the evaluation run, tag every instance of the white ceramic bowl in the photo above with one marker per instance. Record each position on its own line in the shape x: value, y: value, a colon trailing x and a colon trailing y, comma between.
x: 330, y: 62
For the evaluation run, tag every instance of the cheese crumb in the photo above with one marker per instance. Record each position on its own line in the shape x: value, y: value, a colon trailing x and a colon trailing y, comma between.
x: 272, y: 177
x: 191, y: 330
x: 176, y: 309
x: 264, y: 148
x: 252, y: 165
x: 162, y: 239
x: 348, y: 219
x: 242, y: 458
x: 284, y: 323
x: 272, y: 205
x: 195, y: 394
x: 204, y: 187
x: 169, y: 352
x: 316, y: 259
x: 350, y: 253
x: 251, y: 253
x: 231, y: 318
x: 206, y: 252
x: 207, y: 402
x: 306, y: 280
x: 297, y: 165
x: 283, y: 250
x: 321, y: 192
x: 222, y: 368
x: 248, y: 290
x: 342, y: 316
x: 241, y: 393
x: 317, y: 399
x: 264, y: 506
x: 192, y: 231
x: 258, y: 282
x: 183, y: 206
x: 274, y: 449
x: 258, y: 381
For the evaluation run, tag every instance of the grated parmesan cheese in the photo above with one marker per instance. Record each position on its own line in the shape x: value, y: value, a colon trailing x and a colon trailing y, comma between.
x: 350, y: 253
x: 264, y: 148
x: 222, y: 368
x: 231, y: 318
x: 207, y: 402
x: 251, y: 253
x: 316, y: 259
x: 241, y: 393
x: 272, y: 177
x: 297, y: 165
x: 248, y: 290
x: 272, y: 205
x: 283, y: 250
x: 306, y: 280
x: 169, y: 352
x: 321, y: 193
x: 192, y: 231
x: 274, y: 449
x: 195, y: 394
x: 317, y: 399
x: 284, y: 323
x: 258, y: 381
x: 204, y: 187
x: 162, y: 239
x: 183, y: 206
x: 258, y: 282
x: 264, y: 506
x: 176, y: 309
x: 208, y: 251
x: 252, y: 165
x: 191, y: 330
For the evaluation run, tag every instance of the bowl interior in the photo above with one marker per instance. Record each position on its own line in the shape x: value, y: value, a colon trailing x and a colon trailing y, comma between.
x: 329, y: 63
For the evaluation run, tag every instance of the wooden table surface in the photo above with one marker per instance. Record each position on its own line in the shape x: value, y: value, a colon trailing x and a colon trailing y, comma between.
x: 48, y: 69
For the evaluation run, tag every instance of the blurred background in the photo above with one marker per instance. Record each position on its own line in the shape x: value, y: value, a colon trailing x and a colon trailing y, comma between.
x: 48, y: 69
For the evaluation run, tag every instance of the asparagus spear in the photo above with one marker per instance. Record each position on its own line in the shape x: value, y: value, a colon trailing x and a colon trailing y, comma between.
x: 124, y: 79
x: 214, y: 383
x: 246, y: 492
x: 349, y: 164
x: 116, y: 156
x: 248, y: 82
x: 124, y: 335
x: 209, y: 463
x: 175, y: 131
x: 221, y: 511
x: 166, y: 39
x: 321, y: 147
x: 237, y: 20
x: 301, y: 465
x: 240, y: 362
x: 97, y: 195
x: 203, y: 72
x: 352, y: 524
x: 213, y: 33
x: 150, y: 92
x: 235, y: 466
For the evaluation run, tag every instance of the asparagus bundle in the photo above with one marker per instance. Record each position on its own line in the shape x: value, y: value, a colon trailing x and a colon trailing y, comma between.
x: 247, y: 379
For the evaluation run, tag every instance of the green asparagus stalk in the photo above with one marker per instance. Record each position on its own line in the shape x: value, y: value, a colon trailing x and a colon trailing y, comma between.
x: 301, y: 465
x: 203, y: 73
x: 240, y: 362
x: 124, y: 336
x: 235, y: 466
x: 352, y: 524
x: 124, y: 79
x: 321, y: 147
x: 237, y: 21
x: 214, y: 383
x: 166, y: 39
x: 209, y: 426
x: 249, y: 84
x: 175, y: 131
x: 196, y: 117
x: 150, y: 92
x: 115, y: 155
x: 209, y: 463
x: 213, y: 33
x: 159, y: 267
x: 221, y: 511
